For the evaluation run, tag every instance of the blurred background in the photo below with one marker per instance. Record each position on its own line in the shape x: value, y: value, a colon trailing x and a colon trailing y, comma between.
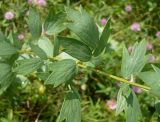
x: 131, y: 21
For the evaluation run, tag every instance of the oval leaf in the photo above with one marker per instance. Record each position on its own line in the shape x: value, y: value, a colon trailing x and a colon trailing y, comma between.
x: 27, y: 66
x: 133, y: 63
x: 62, y: 71
x: 76, y: 48
x: 46, y: 45
x: 7, y: 49
x: 71, y: 110
x: 83, y: 26
x: 34, y: 23
x: 38, y: 51
x: 54, y: 23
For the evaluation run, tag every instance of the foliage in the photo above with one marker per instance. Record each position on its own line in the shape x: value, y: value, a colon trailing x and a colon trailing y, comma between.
x: 66, y: 48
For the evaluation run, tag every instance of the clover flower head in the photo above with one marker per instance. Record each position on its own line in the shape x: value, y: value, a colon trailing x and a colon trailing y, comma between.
x: 111, y: 104
x: 135, y: 27
x: 149, y: 46
x: 41, y: 3
x: 30, y: 1
x: 158, y: 34
x: 137, y: 89
x: 128, y: 8
x: 103, y: 21
x: 21, y: 36
x: 9, y: 15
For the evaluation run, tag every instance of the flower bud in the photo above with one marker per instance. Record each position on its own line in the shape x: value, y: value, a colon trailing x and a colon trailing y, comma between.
x: 137, y: 89
x: 21, y: 36
x: 83, y: 87
x: 42, y: 89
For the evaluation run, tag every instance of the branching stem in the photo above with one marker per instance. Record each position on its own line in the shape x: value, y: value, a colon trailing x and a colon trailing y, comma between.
x: 146, y: 88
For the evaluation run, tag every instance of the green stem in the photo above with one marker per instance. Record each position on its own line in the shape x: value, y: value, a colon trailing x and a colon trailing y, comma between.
x: 26, y: 52
x: 146, y: 88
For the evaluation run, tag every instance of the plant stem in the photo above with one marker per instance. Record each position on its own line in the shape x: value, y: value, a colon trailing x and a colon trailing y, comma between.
x: 146, y: 88
x: 26, y: 52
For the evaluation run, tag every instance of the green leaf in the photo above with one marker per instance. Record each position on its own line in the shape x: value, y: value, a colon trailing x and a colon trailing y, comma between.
x: 128, y: 101
x: 4, y: 69
x: 56, y: 47
x: 121, y: 98
x: 43, y: 75
x: 152, y: 79
x: 156, y: 69
x: 133, y: 63
x: 71, y: 110
x: 103, y: 39
x: 27, y: 66
x: 2, y: 37
x: 76, y: 48
x: 46, y: 45
x: 74, y: 89
x: 6, y: 77
x: 133, y: 112
x: 62, y: 71
x: 17, y: 43
x: 54, y: 23
x: 6, y: 81
x: 83, y: 26
x: 34, y: 23
x: 7, y: 49
x: 157, y: 106
x: 11, y: 59
x: 37, y: 50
